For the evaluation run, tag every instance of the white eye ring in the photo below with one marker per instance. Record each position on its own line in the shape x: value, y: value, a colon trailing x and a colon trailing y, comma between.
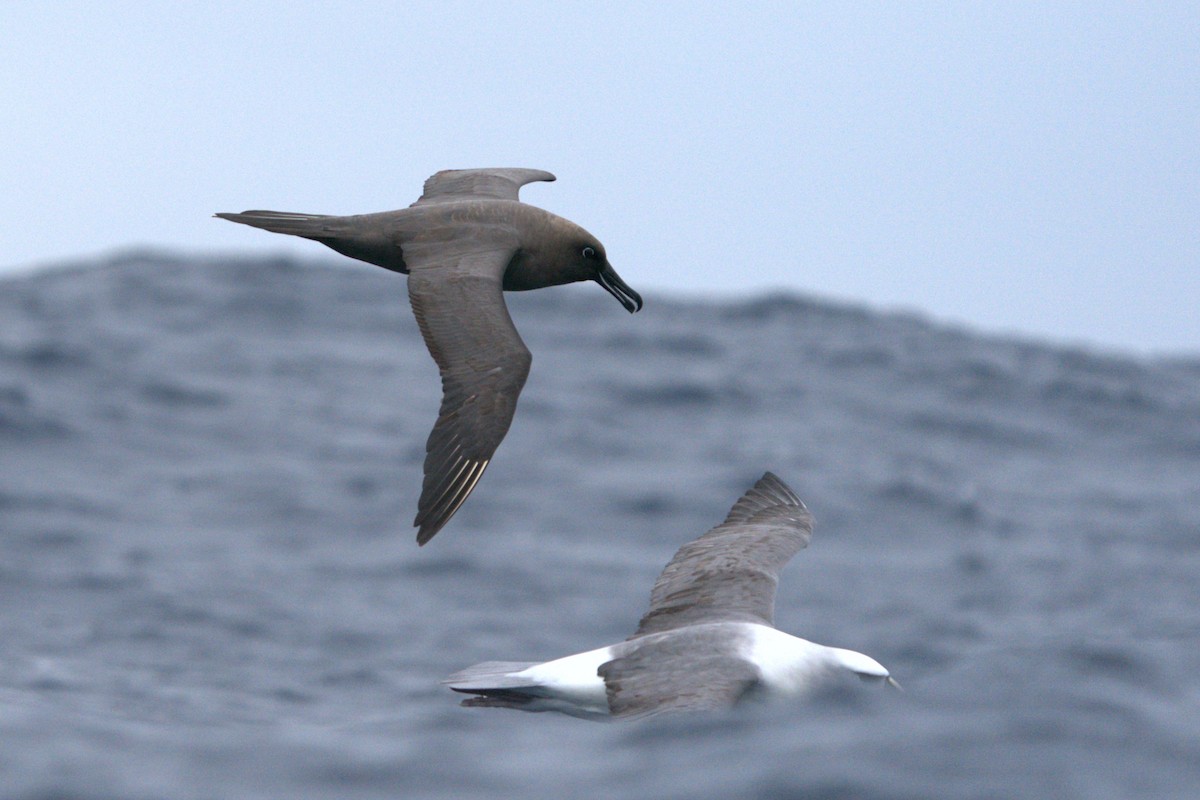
x: 589, y: 252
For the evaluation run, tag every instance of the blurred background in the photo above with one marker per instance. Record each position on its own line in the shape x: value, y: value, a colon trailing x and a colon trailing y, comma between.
x: 1019, y: 168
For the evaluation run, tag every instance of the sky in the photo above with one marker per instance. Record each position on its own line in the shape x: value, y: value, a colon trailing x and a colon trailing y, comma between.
x: 1016, y: 168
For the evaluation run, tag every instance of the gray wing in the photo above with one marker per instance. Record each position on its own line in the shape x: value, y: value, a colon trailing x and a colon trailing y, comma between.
x: 456, y: 292
x: 686, y: 672
x: 730, y: 573
x: 472, y: 184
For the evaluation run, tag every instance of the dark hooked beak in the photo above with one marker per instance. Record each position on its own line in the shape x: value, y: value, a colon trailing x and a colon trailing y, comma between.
x: 611, y: 281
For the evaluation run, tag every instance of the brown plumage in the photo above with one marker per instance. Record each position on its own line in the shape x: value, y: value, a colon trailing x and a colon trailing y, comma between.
x: 462, y: 244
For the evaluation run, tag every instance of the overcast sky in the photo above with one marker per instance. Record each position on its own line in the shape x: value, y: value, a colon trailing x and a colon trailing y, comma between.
x: 1029, y: 168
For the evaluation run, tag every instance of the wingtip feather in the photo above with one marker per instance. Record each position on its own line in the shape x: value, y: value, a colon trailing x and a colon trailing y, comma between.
x: 767, y: 493
x: 433, y: 515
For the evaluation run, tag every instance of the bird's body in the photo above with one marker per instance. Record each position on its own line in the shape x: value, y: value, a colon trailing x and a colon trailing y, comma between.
x: 462, y: 244
x: 773, y: 662
x: 536, y: 236
x: 707, y: 641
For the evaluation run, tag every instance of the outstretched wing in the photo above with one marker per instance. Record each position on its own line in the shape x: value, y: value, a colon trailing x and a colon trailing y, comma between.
x: 455, y: 287
x: 730, y: 573
x: 467, y: 184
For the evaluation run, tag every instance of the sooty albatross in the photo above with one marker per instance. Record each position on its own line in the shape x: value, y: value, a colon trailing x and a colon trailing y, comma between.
x: 707, y: 641
x: 465, y: 241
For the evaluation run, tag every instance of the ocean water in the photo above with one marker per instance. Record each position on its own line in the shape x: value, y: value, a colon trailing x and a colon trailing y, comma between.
x: 209, y: 587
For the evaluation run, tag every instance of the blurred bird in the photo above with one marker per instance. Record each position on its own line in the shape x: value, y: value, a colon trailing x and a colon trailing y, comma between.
x: 708, y: 640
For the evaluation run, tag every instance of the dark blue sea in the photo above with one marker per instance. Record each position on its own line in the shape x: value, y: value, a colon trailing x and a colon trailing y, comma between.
x: 209, y: 586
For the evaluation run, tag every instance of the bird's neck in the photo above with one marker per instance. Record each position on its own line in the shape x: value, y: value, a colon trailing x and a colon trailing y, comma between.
x: 531, y: 270
x: 788, y: 664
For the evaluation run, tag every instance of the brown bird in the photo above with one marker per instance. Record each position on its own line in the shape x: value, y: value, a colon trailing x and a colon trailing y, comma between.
x: 462, y: 244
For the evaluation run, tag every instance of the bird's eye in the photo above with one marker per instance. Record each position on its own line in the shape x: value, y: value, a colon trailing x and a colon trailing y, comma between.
x: 589, y: 252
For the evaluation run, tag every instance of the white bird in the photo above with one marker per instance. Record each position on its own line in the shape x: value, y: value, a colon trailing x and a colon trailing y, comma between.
x: 707, y: 641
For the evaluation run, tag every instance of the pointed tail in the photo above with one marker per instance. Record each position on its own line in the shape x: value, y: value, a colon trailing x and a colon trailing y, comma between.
x: 310, y: 226
x: 493, y: 684
x: 490, y: 675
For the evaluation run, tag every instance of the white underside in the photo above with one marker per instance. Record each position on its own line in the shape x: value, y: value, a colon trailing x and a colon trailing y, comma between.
x: 571, y: 684
x: 787, y: 665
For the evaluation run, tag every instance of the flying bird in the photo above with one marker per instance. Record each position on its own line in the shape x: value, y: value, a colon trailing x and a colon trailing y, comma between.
x: 708, y: 640
x: 462, y: 244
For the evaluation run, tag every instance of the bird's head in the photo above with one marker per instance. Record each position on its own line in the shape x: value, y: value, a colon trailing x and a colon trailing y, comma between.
x: 865, y: 667
x: 592, y: 264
